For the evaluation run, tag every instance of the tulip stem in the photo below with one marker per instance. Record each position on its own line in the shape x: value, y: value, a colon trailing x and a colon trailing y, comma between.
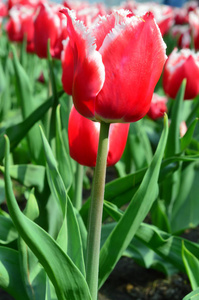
x: 78, y: 186
x: 95, y: 214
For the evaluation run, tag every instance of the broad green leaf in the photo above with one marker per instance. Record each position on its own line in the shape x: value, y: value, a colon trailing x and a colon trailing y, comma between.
x: 62, y: 156
x: 17, y: 132
x: 28, y: 175
x: 186, y: 139
x: 173, y: 142
x: 33, y: 274
x: 192, y: 267
x: 185, y: 209
x: 171, y: 185
x: 8, y: 232
x: 164, y: 244
x: 68, y: 281
x: 120, y: 191
x: 10, y: 279
x: 70, y: 224
x: 192, y: 296
x: 141, y: 253
x: 27, y: 103
x: 137, y: 210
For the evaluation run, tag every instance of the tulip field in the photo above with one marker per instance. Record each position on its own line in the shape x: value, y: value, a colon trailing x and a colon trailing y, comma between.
x: 99, y: 149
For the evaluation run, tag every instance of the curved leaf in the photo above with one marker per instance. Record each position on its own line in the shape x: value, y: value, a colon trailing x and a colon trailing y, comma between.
x: 68, y: 281
x: 137, y: 210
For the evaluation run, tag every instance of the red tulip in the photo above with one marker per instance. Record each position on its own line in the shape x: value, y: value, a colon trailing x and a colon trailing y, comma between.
x: 180, y: 65
x: 83, y: 135
x: 115, y: 66
x: 20, y: 25
x: 32, y: 3
x: 183, y: 35
x: 3, y: 10
x: 158, y: 107
x: 49, y: 24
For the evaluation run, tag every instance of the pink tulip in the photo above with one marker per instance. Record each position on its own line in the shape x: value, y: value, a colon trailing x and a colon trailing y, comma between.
x: 158, y: 107
x: 111, y: 69
x: 83, y: 135
x: 181, y: 65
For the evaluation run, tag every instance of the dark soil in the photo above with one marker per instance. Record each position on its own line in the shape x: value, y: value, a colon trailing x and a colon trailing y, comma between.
x: 129, y: 281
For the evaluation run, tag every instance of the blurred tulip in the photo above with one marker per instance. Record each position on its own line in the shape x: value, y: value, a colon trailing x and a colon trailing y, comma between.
x: 113, y: 66
x: 194, y: 23
x: 83, y: 135
x: 183, y: 128
x: 20, y: 25
x: 49, y: 24
x: 31, y: 3
x: 183, y: 35
x: 158, y: 107
x: 3, y: 10
x: 180, y: 65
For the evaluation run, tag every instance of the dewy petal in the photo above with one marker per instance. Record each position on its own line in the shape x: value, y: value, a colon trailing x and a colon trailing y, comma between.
x: 133, y: 54
x: 89, y: 72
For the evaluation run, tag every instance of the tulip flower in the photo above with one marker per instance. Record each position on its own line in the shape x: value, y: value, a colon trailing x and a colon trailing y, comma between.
x: 113, y: 67
x: 83, y: 135
x: 20, y: 25
x: 181, y: 65
x: 49, y: 24
x: 183, y: 35
x: 158, y: 107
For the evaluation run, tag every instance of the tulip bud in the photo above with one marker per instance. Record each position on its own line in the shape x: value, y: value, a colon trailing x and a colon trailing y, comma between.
x: 158, y: 107
x: 83, y: 135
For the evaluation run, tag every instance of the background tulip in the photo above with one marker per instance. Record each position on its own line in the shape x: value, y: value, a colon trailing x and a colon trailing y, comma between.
x: 83, y: 137
x: 180, y: 65
x: 117, y: 64
x: 49, y: 24
x: 158, y: 107
x: 20, y: 25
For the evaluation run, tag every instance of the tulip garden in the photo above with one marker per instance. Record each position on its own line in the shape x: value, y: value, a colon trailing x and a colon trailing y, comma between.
x: 99, y: 148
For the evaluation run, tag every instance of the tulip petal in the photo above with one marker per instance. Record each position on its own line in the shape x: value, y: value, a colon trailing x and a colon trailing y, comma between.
x: 89, y: 72
x: 133, y: 55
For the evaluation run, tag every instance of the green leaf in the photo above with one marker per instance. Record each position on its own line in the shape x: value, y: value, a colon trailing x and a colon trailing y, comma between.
x: 192, y: 267
x: 185, y: 208
x: 186, y: 139
x: 28, y: 175
x: 173, y: 142
x: 63, y: 158
x: 33, y: 274
x: 8, y: 232
x: 192, y: 296
x: 10, y: 279
x: 162, y: 243
x: 68, y: 281
x: 17, y: 132
x: 70, y: 225
x: 137, y: 210
x: 27, y: 103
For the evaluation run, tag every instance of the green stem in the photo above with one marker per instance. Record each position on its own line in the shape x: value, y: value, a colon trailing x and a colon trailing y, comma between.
x: 78, y: 186
x: 95, y: 215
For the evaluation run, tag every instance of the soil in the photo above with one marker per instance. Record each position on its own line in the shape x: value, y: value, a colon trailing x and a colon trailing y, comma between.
x: 129, y: 281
